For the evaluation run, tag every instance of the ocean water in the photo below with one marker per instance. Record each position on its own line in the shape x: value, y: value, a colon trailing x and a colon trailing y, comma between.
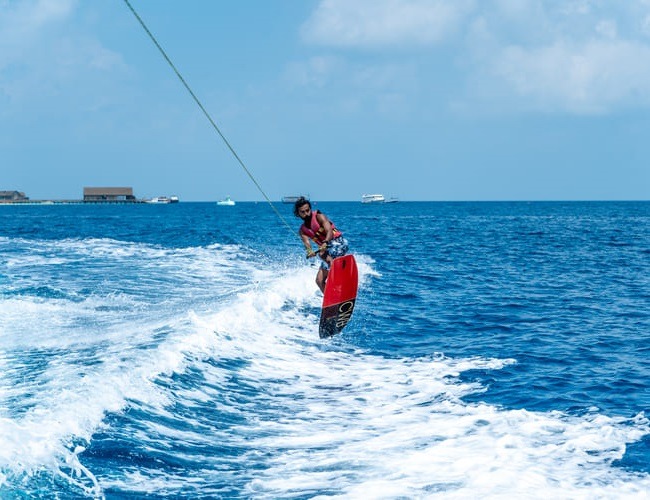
x: 497, y: 350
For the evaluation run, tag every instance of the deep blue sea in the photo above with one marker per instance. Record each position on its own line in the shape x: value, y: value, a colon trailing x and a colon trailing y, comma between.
x: 497, y: 350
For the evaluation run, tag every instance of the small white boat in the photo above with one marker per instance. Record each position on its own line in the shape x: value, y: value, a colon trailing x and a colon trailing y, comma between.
x: 159, y: 199
x: 372, y: 198
x: 226, y: 203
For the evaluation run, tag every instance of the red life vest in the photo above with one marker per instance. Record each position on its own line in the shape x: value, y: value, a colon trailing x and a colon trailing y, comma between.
x: 316, y: 232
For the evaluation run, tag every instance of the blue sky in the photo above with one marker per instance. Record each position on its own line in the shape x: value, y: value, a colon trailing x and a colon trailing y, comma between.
x: 419, y: 99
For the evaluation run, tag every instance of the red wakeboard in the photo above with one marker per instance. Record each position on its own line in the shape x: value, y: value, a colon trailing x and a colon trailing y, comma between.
x: 340, y: 295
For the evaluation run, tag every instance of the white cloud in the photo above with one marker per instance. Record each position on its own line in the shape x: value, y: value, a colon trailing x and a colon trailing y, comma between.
x: 316, y: 71
x: 590, y: 77
x: 352, y: 88
x: 382, y: 23
x: 645, y: 25
x: 45, y: 51
x: 576, y: 56
x: 580, y: 57
x: 20, y: 22
x: 607, y: 29
x: 578, y: 7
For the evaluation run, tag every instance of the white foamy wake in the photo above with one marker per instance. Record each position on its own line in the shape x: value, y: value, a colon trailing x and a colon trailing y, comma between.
x: 87, y: 326
x: 314, y: 417
x: 361, y: 426
x: 322, y: 418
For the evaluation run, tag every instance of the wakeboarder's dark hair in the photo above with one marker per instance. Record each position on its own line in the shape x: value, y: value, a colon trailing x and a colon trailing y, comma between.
x: 299, y: 203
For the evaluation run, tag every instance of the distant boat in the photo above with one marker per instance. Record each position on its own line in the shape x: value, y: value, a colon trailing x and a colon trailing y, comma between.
x: 372, y: 198
x: 162, y: 199
x: 292, y: 199
x: 226, y: 203
x: 392, y: 199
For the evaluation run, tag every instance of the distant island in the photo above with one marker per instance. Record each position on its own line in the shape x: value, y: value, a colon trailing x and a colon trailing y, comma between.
x: 104, y: 195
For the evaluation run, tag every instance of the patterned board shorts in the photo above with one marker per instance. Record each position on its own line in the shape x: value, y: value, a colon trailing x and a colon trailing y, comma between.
x: 337, y: 247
